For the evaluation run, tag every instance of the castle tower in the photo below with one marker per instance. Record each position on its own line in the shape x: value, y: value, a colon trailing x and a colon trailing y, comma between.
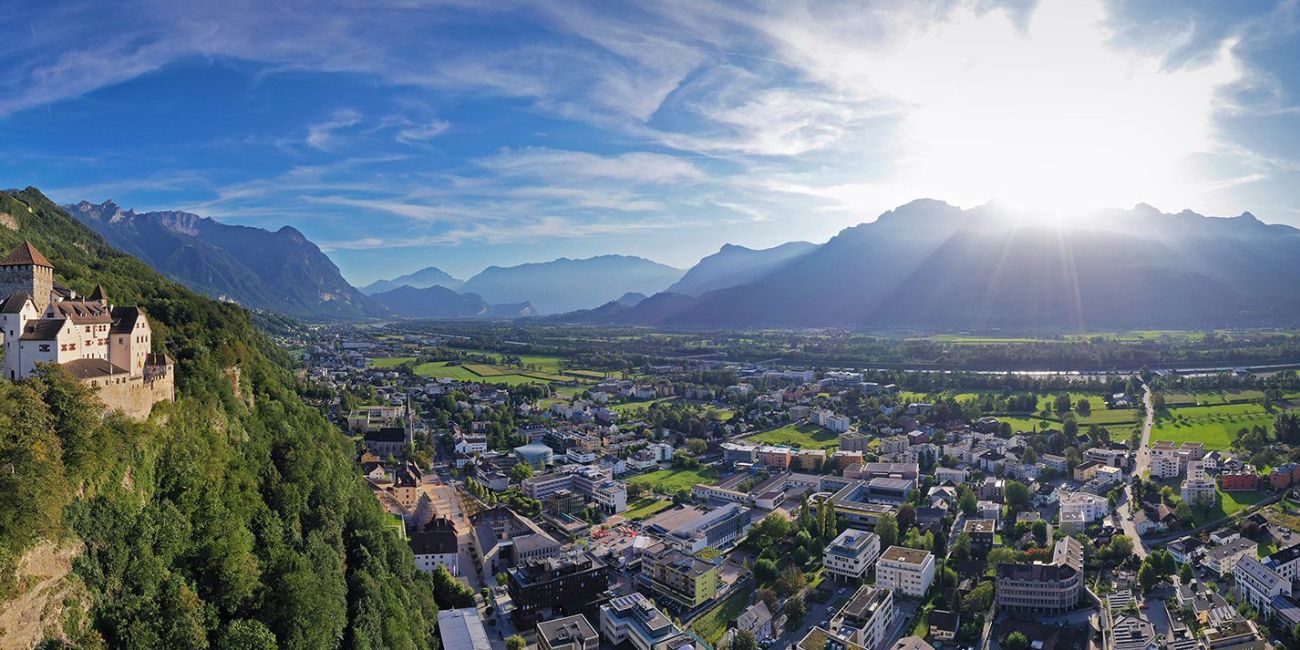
x: 26, y: 270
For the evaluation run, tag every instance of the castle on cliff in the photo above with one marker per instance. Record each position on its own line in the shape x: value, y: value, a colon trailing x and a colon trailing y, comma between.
x: 103, y: 345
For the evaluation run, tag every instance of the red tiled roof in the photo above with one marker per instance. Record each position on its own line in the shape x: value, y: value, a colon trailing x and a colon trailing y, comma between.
x: 25, y: 255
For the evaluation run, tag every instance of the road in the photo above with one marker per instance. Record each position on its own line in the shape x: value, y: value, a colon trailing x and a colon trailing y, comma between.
x: 1140, y: 467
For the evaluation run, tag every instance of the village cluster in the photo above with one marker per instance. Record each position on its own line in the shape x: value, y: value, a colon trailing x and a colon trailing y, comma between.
x: 809, y: 509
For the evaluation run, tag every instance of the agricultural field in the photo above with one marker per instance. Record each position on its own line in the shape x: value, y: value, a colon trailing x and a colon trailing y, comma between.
x: 389, y: 362
x: 1214, y: 426
x: 668, y: 481
x: 804, y: 436
x: 646, y: 507
x: 441, y: 369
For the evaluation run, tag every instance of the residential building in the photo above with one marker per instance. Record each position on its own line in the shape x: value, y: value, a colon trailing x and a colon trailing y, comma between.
x: 1242, y: 479
x: 1286, y: 562
x: 1258, y: 584
x: 1223, y: 559
x: 1090, y: 507
x: 634, y: 619
x: 1198, y: 488
x: 757, y: 619
x: 568, y: 633
x: 851, y: 554
x: 681, y: 578
x: 905, y: 569
x: 868, y: 617
x: 981, y: 533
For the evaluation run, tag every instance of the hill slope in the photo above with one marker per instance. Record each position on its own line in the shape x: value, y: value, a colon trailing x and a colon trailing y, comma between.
x: 280, y: 271
x: 232, y: 518
x: 931, y: 265
x: 565, y: 284
x: 733, y: 266
x: 429, y: 276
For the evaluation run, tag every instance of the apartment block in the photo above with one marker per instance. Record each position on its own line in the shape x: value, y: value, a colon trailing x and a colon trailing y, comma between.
x: 905, y: 569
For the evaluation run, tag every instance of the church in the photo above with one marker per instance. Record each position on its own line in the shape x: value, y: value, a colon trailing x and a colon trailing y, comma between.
x: 106, y: 346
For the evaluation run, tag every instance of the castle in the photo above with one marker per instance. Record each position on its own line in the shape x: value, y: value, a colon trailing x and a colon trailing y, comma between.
x: 104, y: 346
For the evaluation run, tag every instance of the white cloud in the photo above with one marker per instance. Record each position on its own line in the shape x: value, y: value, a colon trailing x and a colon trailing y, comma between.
x: 631, y: 167
x: 422, y: 132
x: 322, y: 135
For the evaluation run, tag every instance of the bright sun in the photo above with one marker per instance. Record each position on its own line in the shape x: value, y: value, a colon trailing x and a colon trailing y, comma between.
x: 1056, y: 114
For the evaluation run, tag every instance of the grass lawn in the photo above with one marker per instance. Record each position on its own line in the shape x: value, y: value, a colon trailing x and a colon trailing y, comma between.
x: 440, y: 369
x: 668, y: 481
x: 711, y: 625
x: 805, y: 436
x: 485, y: 370
x: 589, y: 374
x: 629, y: 407
x: 389, y: 362
x: 1228, y: 503
x: 646, y: 507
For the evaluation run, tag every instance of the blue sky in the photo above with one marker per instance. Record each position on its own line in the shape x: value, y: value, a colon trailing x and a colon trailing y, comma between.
x: 462, y: 134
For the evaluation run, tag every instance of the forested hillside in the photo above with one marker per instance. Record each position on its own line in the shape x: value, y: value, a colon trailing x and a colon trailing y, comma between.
x: 233, y: 518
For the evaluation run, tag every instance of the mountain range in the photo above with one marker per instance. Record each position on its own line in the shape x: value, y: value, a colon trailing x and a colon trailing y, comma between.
x: 928, y: 264
x: 565, y: 284
x: 429, y: 276
x: 279, y: 271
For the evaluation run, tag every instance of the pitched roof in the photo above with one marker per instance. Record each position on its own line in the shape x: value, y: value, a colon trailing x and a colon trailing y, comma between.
x: 25, y: 255
x: 14, y: 303
x: 42, y: 329
x: 99, y: 293
x: 124, y: 319
x: 92, y: 368
x: 81, y: 312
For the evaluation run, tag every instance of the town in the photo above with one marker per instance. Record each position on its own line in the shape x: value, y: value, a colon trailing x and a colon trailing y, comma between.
x: 704, y: 503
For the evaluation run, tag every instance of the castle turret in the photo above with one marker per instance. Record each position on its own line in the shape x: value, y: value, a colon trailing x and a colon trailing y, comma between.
x: 26, y: 271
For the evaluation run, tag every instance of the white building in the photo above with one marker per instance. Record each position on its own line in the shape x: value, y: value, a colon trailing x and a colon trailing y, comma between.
x: 634, y: 619
x: 868, y: 617
x: 1259, y: 584
x: 851, y: 554
x: 1198, y: 488
x: 1090, y: 506
x: 905, y: 569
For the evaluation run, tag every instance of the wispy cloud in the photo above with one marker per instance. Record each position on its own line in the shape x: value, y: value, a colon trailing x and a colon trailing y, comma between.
x: 323, y: 135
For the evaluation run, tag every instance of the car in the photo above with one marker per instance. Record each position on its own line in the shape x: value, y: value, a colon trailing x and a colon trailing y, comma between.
x: 1144, y: 606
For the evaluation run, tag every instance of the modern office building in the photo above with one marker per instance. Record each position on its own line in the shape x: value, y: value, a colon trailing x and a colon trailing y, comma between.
x: 851, y: 554
x: 573, y: 583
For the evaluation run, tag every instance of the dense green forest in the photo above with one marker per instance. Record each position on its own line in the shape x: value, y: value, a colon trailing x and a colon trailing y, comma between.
x: 233, y: 518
